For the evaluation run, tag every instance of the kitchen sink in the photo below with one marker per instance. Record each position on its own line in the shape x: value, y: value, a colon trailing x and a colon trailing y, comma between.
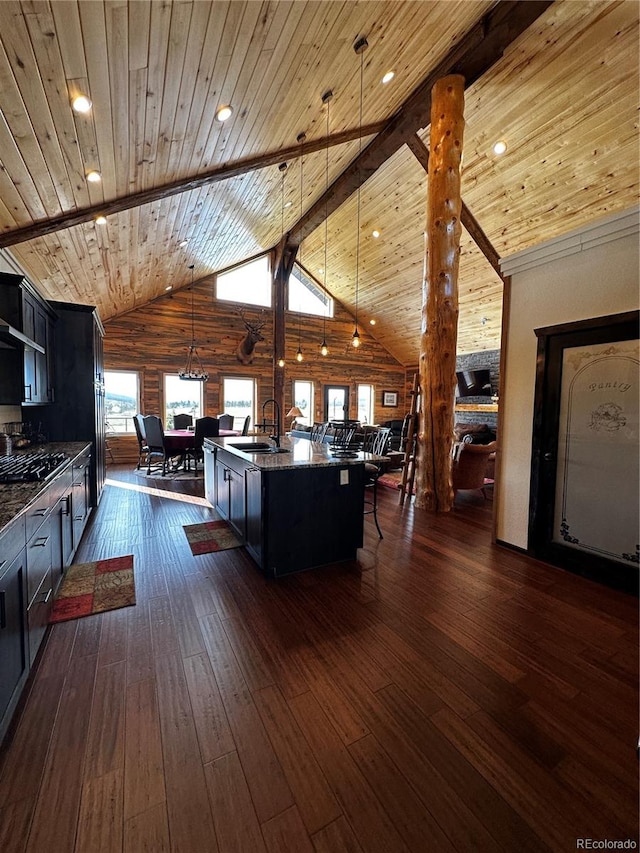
x: 258, y: 447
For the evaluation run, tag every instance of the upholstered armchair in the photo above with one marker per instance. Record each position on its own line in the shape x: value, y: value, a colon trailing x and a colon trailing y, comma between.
x: 470, y: 463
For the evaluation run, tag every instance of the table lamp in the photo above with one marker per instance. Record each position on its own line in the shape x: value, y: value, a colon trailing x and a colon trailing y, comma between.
x: 294, y: 412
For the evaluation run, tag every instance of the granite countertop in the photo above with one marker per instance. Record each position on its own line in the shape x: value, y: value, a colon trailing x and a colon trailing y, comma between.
x: 300, y: 453
x: 16, y: 497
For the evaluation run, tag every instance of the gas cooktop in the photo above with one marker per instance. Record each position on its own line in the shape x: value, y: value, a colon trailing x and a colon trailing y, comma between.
x: 30, y: 467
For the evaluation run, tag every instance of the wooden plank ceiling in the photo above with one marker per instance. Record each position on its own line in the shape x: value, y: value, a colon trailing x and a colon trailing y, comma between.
x: 564, y: 98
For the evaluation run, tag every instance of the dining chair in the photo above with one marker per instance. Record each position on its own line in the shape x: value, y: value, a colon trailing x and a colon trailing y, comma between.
x: 245, y: 425
x: 143, y: 449
x: 205, y: 427
x: 154, y: 434
x: 226, y: 421
x: 378, y: 443
x: 182, y: 421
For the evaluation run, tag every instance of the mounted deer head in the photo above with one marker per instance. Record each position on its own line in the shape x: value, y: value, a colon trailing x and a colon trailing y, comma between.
x: 244, y: 351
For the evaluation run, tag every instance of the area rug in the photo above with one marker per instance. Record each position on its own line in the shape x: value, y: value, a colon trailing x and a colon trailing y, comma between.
x: 210, y: 536
x: 95, y: 587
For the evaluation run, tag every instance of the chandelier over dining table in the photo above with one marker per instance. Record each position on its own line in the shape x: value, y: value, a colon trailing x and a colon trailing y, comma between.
x: 193, y: 370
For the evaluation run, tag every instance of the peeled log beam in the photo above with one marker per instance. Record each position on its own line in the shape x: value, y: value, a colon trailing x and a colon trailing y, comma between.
x: 440, y: 297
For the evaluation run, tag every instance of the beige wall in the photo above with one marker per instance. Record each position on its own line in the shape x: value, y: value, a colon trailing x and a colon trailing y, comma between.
x: 588, y: 273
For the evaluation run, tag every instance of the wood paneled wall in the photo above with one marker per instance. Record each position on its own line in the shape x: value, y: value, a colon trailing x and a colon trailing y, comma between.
x: 154, y: 339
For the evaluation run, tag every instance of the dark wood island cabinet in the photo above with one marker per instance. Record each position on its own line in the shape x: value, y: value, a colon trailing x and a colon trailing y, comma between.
x: 293, y: 510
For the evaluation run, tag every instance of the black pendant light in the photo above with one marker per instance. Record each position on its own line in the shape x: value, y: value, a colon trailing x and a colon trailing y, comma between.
x: 282, y: 168
x: 324, y: 349
x: 300, y: 138
x: 193, y: 370
x: 360, y: 46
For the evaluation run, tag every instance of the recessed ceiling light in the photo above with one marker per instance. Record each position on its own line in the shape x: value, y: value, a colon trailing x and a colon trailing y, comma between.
x: 101, y: 220
x: 388, y: 77
x: 223, y: 113
x: 375, y: 233
x: 372, y: 322
x: 500, y: 147
x: 182, y: 244
x: 81, y: 104
x: 169, y: 287
x: 288, y: 203
x: 94, y: 177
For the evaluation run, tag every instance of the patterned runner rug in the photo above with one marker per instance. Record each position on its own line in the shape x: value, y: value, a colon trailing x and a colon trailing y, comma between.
x: 95, y: 587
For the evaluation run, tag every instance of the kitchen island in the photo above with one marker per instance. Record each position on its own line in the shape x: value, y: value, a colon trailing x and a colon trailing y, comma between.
x: 294, y: 509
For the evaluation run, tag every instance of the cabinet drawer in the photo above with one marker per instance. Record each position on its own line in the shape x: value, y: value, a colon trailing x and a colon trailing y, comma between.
x: 80, y: 466
x: 60, y: 485
x: 37, y: 513
x: 11, y: 542
x: 38, y: 615
x: 38, y: 557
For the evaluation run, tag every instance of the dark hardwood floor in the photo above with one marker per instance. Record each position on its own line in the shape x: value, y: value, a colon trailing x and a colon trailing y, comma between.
x: 439, y: 695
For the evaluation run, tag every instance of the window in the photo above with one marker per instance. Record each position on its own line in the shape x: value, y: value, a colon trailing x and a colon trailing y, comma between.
x: 303, y: 399
x: 250, y: 283
x: 365, y: 404
x: 181, y: 395
x: 306, y: 296
x: 121, y: 400
x: 239, y: 396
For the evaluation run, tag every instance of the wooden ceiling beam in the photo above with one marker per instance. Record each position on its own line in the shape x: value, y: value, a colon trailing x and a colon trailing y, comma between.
x: 220, y: 173
x: 478, y: 50
x: 474, y: 229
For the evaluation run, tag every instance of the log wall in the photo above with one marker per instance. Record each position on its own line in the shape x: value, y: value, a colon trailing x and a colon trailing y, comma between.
x: 154, y: 338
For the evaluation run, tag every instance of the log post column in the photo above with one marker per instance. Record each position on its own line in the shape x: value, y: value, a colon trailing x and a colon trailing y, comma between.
x: 438, y: 342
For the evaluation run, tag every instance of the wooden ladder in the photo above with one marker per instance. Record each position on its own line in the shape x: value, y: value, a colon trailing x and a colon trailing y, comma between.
x: 410, y: 441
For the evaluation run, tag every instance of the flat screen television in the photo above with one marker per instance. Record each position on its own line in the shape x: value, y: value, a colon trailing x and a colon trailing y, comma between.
x: 473, y: 383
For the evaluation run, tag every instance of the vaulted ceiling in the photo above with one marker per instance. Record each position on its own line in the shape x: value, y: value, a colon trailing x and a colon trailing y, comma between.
x: 563, y: 95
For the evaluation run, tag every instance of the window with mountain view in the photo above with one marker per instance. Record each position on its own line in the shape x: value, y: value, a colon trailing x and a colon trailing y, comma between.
x: 122, y: 400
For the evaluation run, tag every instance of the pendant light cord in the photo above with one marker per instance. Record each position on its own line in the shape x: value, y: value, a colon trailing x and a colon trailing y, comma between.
x: 193, y: 327
x: 360, y: 46
x: 359, y: 175
x: 326, y: 99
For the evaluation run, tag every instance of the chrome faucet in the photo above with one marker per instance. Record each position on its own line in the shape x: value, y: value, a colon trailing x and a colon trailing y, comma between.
x: 276, y: 408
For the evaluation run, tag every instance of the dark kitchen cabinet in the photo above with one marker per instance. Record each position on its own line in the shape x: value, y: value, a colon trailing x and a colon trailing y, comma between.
x: 62, y: 542
x: 14, y: 665
x: 81, y: 495
x: 26, y: 375
x: 35, y: 549
x: 253, y: 521
x: 230, y: 493
x: 77, y: 414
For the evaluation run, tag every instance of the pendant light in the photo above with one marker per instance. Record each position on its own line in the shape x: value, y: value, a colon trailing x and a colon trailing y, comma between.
x: 299, y: 356
x: 300, y: 138
x: 324, y: 349
x: 282, y: 168
x: 193, y: 370
x: 360, y: 46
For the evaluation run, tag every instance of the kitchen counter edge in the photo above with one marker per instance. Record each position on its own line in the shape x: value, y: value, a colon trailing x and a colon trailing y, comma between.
x: 16, y: 498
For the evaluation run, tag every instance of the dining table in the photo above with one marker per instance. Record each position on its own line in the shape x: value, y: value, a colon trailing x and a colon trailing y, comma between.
x: 178, y: 442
